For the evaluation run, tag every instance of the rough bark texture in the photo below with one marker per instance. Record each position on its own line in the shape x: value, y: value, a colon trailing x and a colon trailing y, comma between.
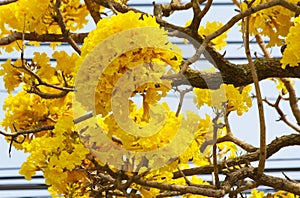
x: 239, y: 75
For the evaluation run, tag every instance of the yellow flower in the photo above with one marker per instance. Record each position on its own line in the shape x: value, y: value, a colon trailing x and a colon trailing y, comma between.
x: 256, y: 194
x: 289, y: 56
x: 210, y: 28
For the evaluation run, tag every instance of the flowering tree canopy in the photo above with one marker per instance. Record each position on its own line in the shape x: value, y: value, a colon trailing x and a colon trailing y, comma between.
x: 98, y: 118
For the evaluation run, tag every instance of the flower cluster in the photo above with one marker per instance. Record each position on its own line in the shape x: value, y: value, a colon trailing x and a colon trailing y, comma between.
x: 236, y: 99
x: 273, y: 22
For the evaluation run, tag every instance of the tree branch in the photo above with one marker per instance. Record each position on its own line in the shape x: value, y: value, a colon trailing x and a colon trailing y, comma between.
x: 277, y: 183
x: 293, y: 99
x: 168, y: 9
x: 237, y: 74
x: 29, y: 131
x: 60, y: 20
x: 281, y: 114
x: 197, y: 15
x: 38, y: 92
x: 272, y: 148
x: 182, y: 189
x: 244, y: 145
x: 5, y: 2
x: 77, y: 37
x: 93, y: 8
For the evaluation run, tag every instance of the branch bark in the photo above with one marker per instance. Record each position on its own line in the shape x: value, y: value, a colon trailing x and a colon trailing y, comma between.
x: 238, y: 74
x: 77, y: 37
x: 5, y: 2
x: 272, y: 148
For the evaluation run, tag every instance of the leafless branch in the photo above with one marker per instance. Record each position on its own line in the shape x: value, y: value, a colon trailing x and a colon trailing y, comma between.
x: 181, y: 97
x: 281, y: 114
x: 292, y: 95
x: 244, y: 145
x: 168, y: 9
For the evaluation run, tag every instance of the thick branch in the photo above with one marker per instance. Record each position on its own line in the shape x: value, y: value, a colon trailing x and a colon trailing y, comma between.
x: 77, y: 37
x: 262, y: 179
x: 182, y: 189
x: 93, y: 9
x: 238, y: 75
x: 277, y: 183
x: 197, y: 15
x: 167, y: 9
x: 273, y: 147
x: 230, y: 180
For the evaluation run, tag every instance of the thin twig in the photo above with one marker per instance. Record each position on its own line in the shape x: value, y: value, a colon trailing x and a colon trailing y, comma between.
x: 28, y: 131
x: 244, y: 145
x: 249, y: 185
x: 41, y: 82
x: 41, y: 128
x: 185, y: 178
x: 281, y: 114
x: 182, y: 94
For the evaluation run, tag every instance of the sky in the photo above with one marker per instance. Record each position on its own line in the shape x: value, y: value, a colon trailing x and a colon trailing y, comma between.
x: 245, y: 127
